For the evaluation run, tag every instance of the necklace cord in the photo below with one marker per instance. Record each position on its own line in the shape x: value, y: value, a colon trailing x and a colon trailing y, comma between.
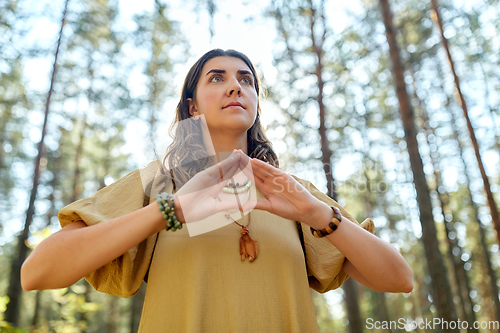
x: 240, y: 207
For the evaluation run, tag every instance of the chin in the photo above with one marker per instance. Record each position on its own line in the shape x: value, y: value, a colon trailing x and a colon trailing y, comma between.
x: 241, y: 125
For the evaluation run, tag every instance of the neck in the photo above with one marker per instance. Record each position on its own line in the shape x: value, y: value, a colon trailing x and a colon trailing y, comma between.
x: 225, y: 143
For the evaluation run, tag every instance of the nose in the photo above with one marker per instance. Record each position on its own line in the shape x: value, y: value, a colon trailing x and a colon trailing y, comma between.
x: 234, y: 87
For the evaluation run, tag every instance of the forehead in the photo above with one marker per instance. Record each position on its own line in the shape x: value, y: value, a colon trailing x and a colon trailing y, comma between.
x: 229, y: 64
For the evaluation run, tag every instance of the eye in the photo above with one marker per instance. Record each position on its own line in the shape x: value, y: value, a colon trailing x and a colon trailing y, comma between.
x: 216, y: 78
x: 247, y: 80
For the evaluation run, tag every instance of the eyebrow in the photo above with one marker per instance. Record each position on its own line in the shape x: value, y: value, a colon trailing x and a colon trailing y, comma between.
x: 222, y: 71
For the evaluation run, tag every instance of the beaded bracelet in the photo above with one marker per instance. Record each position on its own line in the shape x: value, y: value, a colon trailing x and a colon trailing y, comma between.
x: 337, y: 218
x: 166, y: 203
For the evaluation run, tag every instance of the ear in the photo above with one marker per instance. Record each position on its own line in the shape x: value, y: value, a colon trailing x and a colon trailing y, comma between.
x: 193, y: 111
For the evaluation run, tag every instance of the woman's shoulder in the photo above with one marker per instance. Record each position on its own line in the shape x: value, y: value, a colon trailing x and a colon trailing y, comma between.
x: 136, y: 179
x: 155, y: 178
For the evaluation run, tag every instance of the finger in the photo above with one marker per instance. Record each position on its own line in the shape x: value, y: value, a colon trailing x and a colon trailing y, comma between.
x: 265, y: 166
x: 259, y: 171
x: 243, y: 164
x: 225, y: 169
x: 228, y: 171
x: 279, y: 178
x: 244, y: 161
x: 261, y: 185
x: 230, y: 165
x: 219, y: 186
x: 246, y: 168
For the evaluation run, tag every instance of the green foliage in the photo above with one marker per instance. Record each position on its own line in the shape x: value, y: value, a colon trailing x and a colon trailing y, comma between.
x: 6, y: 327
x: 3, y: 306
x: 71, y: 303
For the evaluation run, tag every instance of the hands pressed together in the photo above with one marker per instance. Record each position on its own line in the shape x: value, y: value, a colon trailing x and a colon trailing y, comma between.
x: 369, y: 260
x: 285, y: 197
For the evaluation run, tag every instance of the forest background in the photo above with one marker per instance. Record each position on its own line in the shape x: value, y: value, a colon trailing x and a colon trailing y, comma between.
x: 392, y: 108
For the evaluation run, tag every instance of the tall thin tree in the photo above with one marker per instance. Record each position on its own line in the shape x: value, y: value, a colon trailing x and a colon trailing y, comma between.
x: 495, y: 216
x: 481, y: 228
x: 441, y: 291
x: 14, y: 290
x: 350, y: 287
x: 461, y: 278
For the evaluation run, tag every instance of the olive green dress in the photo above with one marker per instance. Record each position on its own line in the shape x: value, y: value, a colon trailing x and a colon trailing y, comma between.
x: 200, y: 284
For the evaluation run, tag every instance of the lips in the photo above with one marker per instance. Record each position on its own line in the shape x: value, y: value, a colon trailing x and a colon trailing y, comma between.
x: 234, y: 104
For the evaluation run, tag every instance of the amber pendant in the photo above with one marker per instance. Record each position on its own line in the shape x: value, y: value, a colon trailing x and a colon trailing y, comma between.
x: 248, y: 247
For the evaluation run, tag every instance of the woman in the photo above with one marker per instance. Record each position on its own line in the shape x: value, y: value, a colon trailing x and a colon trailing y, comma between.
x: 253, y: 274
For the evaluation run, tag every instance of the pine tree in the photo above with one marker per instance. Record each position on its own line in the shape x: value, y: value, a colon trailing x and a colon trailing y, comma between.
x: 14, y: 291
x: 313, y: 28
x: 441, y: 287
x: 486, y: 183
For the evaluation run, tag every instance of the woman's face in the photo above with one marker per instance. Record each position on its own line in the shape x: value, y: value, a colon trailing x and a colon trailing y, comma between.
x: 226, y: 95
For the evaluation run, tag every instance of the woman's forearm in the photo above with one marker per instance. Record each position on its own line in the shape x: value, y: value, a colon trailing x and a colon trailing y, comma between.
x: 377, y: 261
x: 77, y: 250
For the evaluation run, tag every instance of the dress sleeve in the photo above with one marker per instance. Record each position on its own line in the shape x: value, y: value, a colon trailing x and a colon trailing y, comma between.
x: 323, y: 260
x: 124, y: 275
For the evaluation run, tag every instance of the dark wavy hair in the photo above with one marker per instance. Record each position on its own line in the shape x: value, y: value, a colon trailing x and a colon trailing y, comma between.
x: 185, y: 157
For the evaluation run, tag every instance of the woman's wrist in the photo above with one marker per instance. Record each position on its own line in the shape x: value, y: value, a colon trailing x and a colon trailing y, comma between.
x: 178, y: 210
x: 170, y: 211
x: 160, y: 222
x: 320, y: 217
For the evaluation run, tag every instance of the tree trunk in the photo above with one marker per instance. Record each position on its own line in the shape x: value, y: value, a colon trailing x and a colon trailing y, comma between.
x: 112, y: 314
x: 461, y: 278
x: 419, y: 295
x: 441, y: 291
x: 379, y: 305
x: 79, y: 152
x: 106, y: 160
x: 352, y: 307
x: 378, y: 301
x: 326, y: 152
x: 86, y: 296
x: 489, y: 195
x: 79, y: 148
x: 14, y: 290
x: 482, y: 236
x: 36, y: 316
x: 54, y: 183
x: 153, y: 91
x: 55, y: 168
x: 350, y: 287
x: 495, y: 129
x: 2, y: 133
